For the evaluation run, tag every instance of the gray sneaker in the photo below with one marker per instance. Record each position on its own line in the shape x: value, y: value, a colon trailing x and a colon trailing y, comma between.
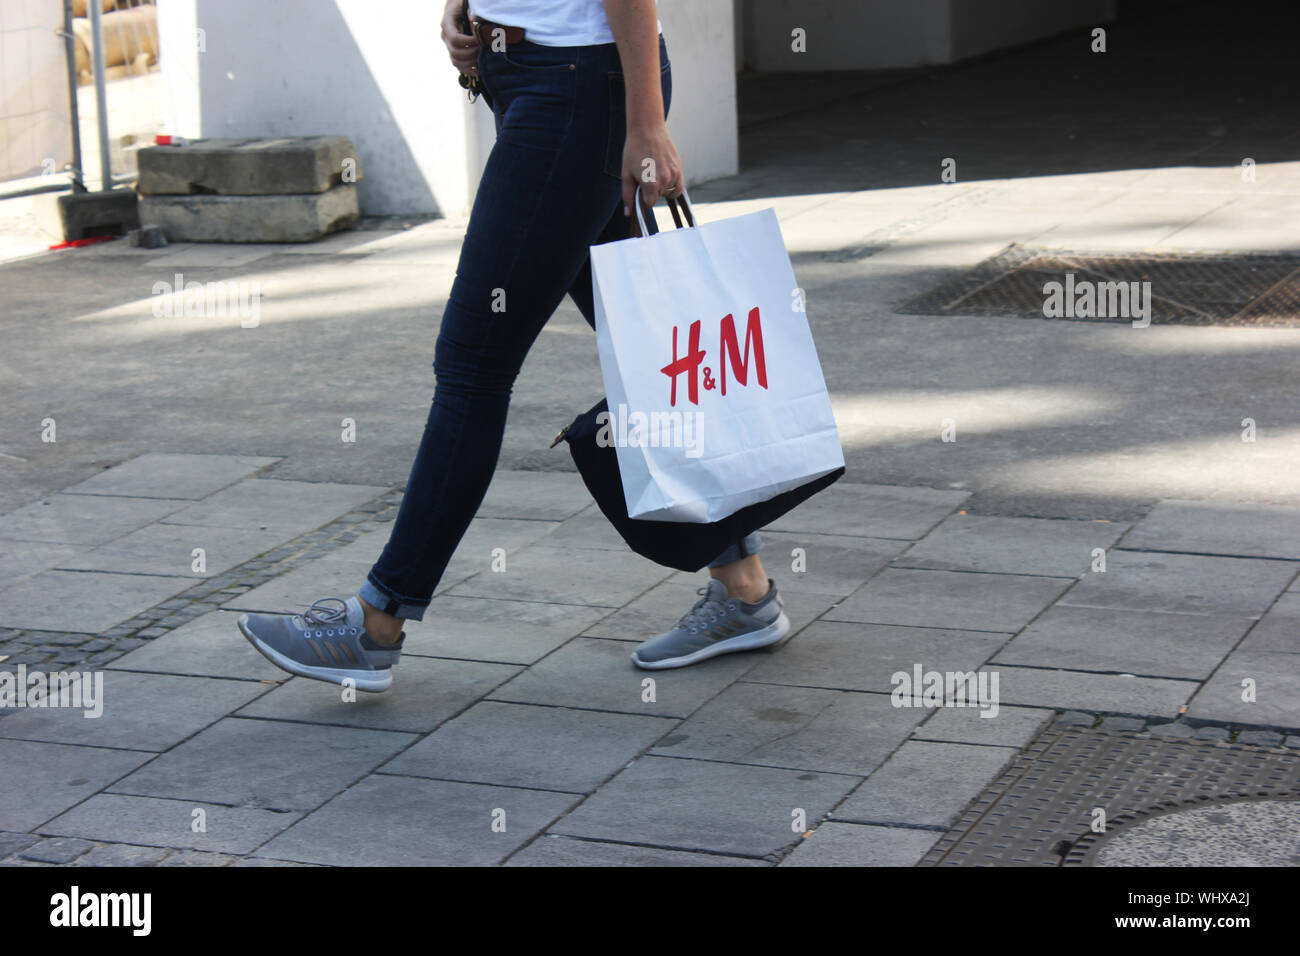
x: 328, y: 642
x: 717, y: 624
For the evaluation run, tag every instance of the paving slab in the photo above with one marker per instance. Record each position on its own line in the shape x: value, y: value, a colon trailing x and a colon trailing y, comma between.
x: 950, y: 599
x: 1202, y: 527
x: 599, y: 675
x: 853, y: 844
x: 1042, y: 546
x: 1277, y: 629
x: 540, y: 496
x: 57, y: 850
x: 1012, y: 727
x: 925, y: 784
x: 661, y: 607
x: 140, y: 712
x: 1265, y: 666
x: 343, y: 572
x: 552, y: 850
x: 1151, y: 643
x: 1155, y: 581
x: 149, y: 821
x: 588, y: 529
x: 288, y: 508
x: 799, y: 728
x: 426, y: 691
x: 83, y: 519
x: 169, y: 549
x: 408, y: 821
x: 210, y: 645
x: 294, y: 591
x: 865, y: 657
x: 269, y: 764
x: 1081, y: 690
x: 162, y: 475
x: 123, y: 854
x: 540, y: 573
x: 41, y: 780
x: 834, y: 564
x: 197, y: 858
x: 84, y: 601
x: 475, y: 549
x: 539, y: 748
x: 877, y: 511
x: 702, y: 805
x: 22, y: 559
x: 255, y: 861
x: 510, y: 632
x: 15, y: 842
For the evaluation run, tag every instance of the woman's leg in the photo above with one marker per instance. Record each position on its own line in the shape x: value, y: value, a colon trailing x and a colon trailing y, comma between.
x: 551, y: 187
x: 542, y: 201
x: 741, y: 571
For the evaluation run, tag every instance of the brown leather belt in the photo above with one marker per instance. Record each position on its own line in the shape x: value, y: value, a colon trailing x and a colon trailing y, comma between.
x: 485, y: 31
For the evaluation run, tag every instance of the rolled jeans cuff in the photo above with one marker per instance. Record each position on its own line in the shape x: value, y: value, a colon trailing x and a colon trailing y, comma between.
x: 748, y: 545
x: 381, y: 600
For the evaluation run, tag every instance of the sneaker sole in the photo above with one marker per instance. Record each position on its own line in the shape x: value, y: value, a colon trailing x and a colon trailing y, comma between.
x: 362, y: 680
x: 742, y: 642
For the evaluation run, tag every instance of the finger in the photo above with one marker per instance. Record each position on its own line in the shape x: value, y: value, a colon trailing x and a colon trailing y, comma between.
x: 650, y: 193
x: 629, y: 194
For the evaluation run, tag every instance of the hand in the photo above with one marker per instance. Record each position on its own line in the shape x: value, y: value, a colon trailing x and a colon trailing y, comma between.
x: 463, y: 47
x: 650, y: 161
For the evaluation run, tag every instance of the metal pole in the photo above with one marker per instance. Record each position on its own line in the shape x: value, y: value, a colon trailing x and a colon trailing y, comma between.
x: 70, y: 51
x: 101, y: 98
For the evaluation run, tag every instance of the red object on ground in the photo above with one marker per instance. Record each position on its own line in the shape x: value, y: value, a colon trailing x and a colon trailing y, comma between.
x: 88, y: 241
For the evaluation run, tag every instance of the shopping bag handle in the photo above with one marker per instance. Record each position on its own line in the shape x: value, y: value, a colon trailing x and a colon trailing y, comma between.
x: 651, y: 228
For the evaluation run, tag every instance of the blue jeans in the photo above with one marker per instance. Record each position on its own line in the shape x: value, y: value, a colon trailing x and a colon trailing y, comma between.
x: 552, y: 187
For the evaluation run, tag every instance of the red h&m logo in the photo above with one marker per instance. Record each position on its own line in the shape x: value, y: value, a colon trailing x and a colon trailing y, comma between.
x: 729, y: 350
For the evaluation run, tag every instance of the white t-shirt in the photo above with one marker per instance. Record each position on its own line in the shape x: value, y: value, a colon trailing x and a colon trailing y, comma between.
x: 551, y: 22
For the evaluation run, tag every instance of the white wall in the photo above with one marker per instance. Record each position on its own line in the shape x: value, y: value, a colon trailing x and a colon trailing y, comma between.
x: 378, y: 73
x: 702, y: 119
x: 35, y: 124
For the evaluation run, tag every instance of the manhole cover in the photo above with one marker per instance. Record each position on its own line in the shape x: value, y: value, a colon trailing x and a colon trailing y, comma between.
x: 1257, y: 290
x: 1231, y: 833
x: 1048, y: 801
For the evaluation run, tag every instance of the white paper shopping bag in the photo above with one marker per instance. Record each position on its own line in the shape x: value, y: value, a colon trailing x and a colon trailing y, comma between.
x: 716, y: 397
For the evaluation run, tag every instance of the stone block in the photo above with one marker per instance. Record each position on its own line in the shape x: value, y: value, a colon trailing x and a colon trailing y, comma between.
x: 287, y: 218
x: 114, y: 212
x: 249, y: 167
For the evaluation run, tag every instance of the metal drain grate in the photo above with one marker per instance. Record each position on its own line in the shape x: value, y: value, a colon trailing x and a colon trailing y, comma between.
x: 1042, y: 807
x: 1256, y: 290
